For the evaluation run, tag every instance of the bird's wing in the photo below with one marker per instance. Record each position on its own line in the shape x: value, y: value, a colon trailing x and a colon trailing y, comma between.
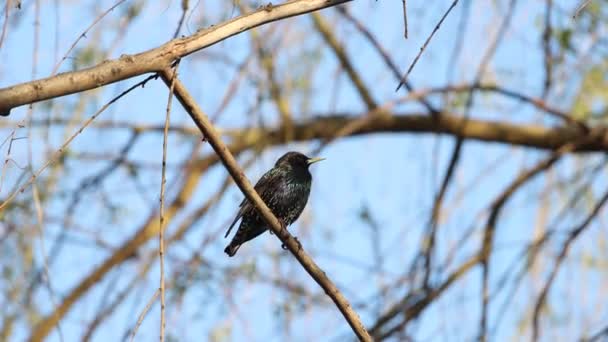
x: 264, y: 188
x: 268, y: 186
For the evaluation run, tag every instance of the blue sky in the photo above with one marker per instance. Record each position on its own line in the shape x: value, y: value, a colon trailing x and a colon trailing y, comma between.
x: 390, y: 174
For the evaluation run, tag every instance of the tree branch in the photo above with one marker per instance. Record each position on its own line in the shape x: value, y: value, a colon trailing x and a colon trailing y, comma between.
x: 326, y: 127
x: 153, y: 60
x: 330, y: 38
x: 214, y: 139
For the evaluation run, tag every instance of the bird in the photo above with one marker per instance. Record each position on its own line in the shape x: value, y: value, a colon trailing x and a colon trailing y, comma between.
x: 284, y: 188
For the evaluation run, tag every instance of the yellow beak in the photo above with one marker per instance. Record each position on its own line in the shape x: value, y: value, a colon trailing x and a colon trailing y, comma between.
x: 314, y: 160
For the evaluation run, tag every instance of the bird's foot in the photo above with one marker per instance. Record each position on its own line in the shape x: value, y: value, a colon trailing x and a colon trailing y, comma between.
x: 297, y: 241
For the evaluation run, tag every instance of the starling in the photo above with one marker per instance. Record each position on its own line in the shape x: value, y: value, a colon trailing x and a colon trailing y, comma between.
x: 284, y: 188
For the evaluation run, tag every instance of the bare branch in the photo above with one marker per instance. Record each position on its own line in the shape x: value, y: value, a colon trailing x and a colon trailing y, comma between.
x: 404, y: 19
x: 384, y: 54
x: 84, y: 34
x: 580, y: 8
x: 237, y: 174
x: 161, y: 230
x: 61, y: 150
x: 572, y: 236
x: 324, y: 29
x: 142, y: 315
x: 324, y: 128
x: 428, y: 40
x: 153, y: 60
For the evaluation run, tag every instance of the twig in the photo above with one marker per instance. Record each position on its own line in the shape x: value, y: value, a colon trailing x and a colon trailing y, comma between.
x: 185, y: 4
x: 498, y: 204
x: 60, y: 151
x: 153, y: 60
x: 412, y: 304
x: 286, y: 238
x: 83, y: 35
x: 384, y: 54
x: 5, y: 25
x: 73, y: 203
x: 574, y: 233
x: 597, y: 336
x: 105, y: 312
x: 7, y: 158
x: 418, y: 95
x: 35, y: 193
x: 580, y: 8
x: 531, y: 253
x: 45, y: 263
x: 547, y: 49
x: 425, y: 44
x: 267, y: 62
x: 325, y: 30
x: 404, y: 19
x: 461, y: 31
x: 161, y: 230
x: 457, y: 150
x: 142, y: 315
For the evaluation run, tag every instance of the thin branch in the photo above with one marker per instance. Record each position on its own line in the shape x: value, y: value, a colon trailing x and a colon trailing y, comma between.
x: 597, y: 336
x: 87, y: 183
x: 497, y: 205
x: 384, y: 54
x: 83, y: 35
x: 267, y: 61
x: 572, y: 236
x: 184, y: 4
x: 153, y: 60
x: 418, y: 95
x: 428, y: 40
x: 61, y: 150
x: 457, y: 150
x: 286, y: 238
x: 143, y: 314
x: 328, y: 36
x: 548, y: 63
x: 410, y: 305
x: 5, y: 25
x: 106, y: 312
x: 539, y: 103
x: 416, y: 301
x: 45, y: 263
x: 530, y: 254
x: 580, y: 8
x: 7, y: 158
x: 404, y: 19
x: 461, y: 35
x: 161, y: 230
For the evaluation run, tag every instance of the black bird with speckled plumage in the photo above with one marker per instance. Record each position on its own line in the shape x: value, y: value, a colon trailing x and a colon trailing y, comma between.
x: 284, y: 188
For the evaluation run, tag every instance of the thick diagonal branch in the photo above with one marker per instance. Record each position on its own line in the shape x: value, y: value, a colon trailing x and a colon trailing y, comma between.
x: 211, y: 135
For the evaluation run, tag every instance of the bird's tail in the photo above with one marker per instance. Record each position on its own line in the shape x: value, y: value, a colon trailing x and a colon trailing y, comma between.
x: 238, y: 216
x: 231, y: 249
